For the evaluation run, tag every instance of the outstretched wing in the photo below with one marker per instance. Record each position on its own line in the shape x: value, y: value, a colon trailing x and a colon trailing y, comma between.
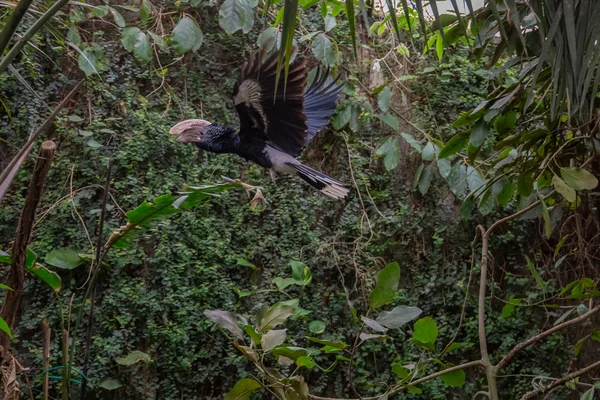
x: 276, y: 116
x: 320, y: 102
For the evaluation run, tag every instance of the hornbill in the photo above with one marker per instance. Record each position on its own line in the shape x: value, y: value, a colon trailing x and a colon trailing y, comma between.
x: 276, y: 121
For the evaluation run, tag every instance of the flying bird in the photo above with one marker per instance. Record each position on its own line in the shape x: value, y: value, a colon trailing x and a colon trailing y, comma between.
x: 276, y: 121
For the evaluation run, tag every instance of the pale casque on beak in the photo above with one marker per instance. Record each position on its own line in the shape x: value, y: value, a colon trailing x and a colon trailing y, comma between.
x: 189, y: 131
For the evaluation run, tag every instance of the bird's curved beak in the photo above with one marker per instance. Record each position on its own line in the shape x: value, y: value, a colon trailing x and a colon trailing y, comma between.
x: 190, y: 130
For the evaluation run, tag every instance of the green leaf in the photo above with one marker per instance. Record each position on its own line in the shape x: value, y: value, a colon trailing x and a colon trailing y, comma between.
x: 454, y: 378
x: 145, y: 11
x: 428, y: 153
x: 390, y: 151
x: 187, y: 35
x: 453, y: 346
x: 323, y: 50
x: 100, y: 11
x: 93, y: 144
x: 400, y: 371
x: 134, y: 357
x: 329, y: 22
x: 536, y: 276
x: 5, y: 257
x: 305, y: 361
x: 509, y: 307
x: 64, y: 258
x: 3, y: 286
x: 337, y: 345
x: 454, y: 145
x: 414, y: 389
x: 4, y: 327
x: 383, y: 100
x: 425, y: 333
x: 245, y: 263
x: 457, y: 179
x: 387, y: 285
x: 235, y: 15
x: 580, y: 345
x: 479, y: 132
x: 547, y: 220
x: 579, y: 178
x: 255, y: 336
x: 119, y: 20
x: 425, y: 179
x: 276, y: 315
x: 110, y: 384
x: 142, y: 50
x: 283, y: 283
x: 317, y: 327
x: 414, y: 143
x: 243, y: 389
x: 390, y: 120
x: 589, y: 394
x: 273, y: 338
x: 300, y: 273
x: 225, y: 320
x: 371, y: 323
x: 565, y: 190
x: 398, y: 317
x: 439, y: 46
x: 51, y: 278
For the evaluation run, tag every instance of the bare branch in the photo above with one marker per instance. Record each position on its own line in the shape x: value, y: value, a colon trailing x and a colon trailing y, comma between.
x: 535, y: 393
x: 513, y: 352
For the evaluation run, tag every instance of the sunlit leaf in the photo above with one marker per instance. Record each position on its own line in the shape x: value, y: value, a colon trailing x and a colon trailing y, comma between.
x: 300, y: 273
x: 579, y: 178
x: 276, y: 315
x: 455, y: 378
x: 425, y: 333
x: 64, y: 258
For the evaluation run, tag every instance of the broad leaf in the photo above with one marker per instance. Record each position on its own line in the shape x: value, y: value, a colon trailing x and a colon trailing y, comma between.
x: 479, y: 132
x: 425, y: 333
x: 243, y: 389
x: 64, y: 258
x: 368, y: 336
x: 387, y: 285
x: 273, y: 338
x: 383, y: 100
x: 276, y: 315
x: 579, y: 178
x: 283, y: 283
x: 565, y: 190
x: 414, y: 143
x: 371, y: 323
x: 454, y: 145
x: 225, y: 320
x: 455, y: 378
x: 134, y: 357
x: 425, y: 179
x: 51, y: 278
x: 4, y: 327
x: 301, y: 273
x: 186, y: 36
x: 390, y: 120
x: 110, y: 384
x: 317, y: 327
x: 398, y: 317
x: 323, y: 50
x: 509, y: 307
x: 305, y: 361
x: 235, y: 15
x: 390, y: 151
x: 428, y: 153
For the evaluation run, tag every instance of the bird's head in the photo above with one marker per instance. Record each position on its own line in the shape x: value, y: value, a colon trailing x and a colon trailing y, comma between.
x: 190, y: 131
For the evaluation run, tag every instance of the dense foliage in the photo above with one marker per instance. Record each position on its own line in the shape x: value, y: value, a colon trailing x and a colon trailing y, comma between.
x: 160, y: 63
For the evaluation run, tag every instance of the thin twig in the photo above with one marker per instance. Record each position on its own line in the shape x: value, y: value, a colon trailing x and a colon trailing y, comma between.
x: 513, y: 352
x: 535, y: 393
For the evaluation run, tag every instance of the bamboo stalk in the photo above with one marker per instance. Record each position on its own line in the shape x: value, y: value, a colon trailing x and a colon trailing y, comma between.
x: 12, y: 23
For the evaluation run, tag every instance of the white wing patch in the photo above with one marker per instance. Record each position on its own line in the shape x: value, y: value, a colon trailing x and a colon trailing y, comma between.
x: 249, y: 94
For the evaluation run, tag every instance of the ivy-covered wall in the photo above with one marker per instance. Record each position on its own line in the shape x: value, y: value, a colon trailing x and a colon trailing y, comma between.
x: 151, y: 297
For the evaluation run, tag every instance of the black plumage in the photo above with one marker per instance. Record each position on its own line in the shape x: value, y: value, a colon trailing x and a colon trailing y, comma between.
x: 276, y: 121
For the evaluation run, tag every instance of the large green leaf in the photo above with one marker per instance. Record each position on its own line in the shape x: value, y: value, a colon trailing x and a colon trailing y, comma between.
x: 51, y: 278
x: 300, y: 273
x: 64, y: 258
x: 390, y: 151
x: 4, y: 327
x: 390, y: 120
x: 243, y: 389
x: 387, y: 285
x: 186, y: 36
x: 235, y: 15
x: 110, y: 384
x: 383, y: 99
x: 323, y: 50
x: 455, y: 378
x: 565, y: 190
x: 479, y: 133
x: 425, y: 333
x: 454, y: 145
x: 579, y: 178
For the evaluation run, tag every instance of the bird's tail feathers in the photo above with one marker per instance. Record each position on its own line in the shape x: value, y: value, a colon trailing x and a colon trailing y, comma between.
x: 326, y: 184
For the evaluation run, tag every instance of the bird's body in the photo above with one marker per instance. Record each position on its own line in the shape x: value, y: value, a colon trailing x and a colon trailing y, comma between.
x: 276, y: 121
